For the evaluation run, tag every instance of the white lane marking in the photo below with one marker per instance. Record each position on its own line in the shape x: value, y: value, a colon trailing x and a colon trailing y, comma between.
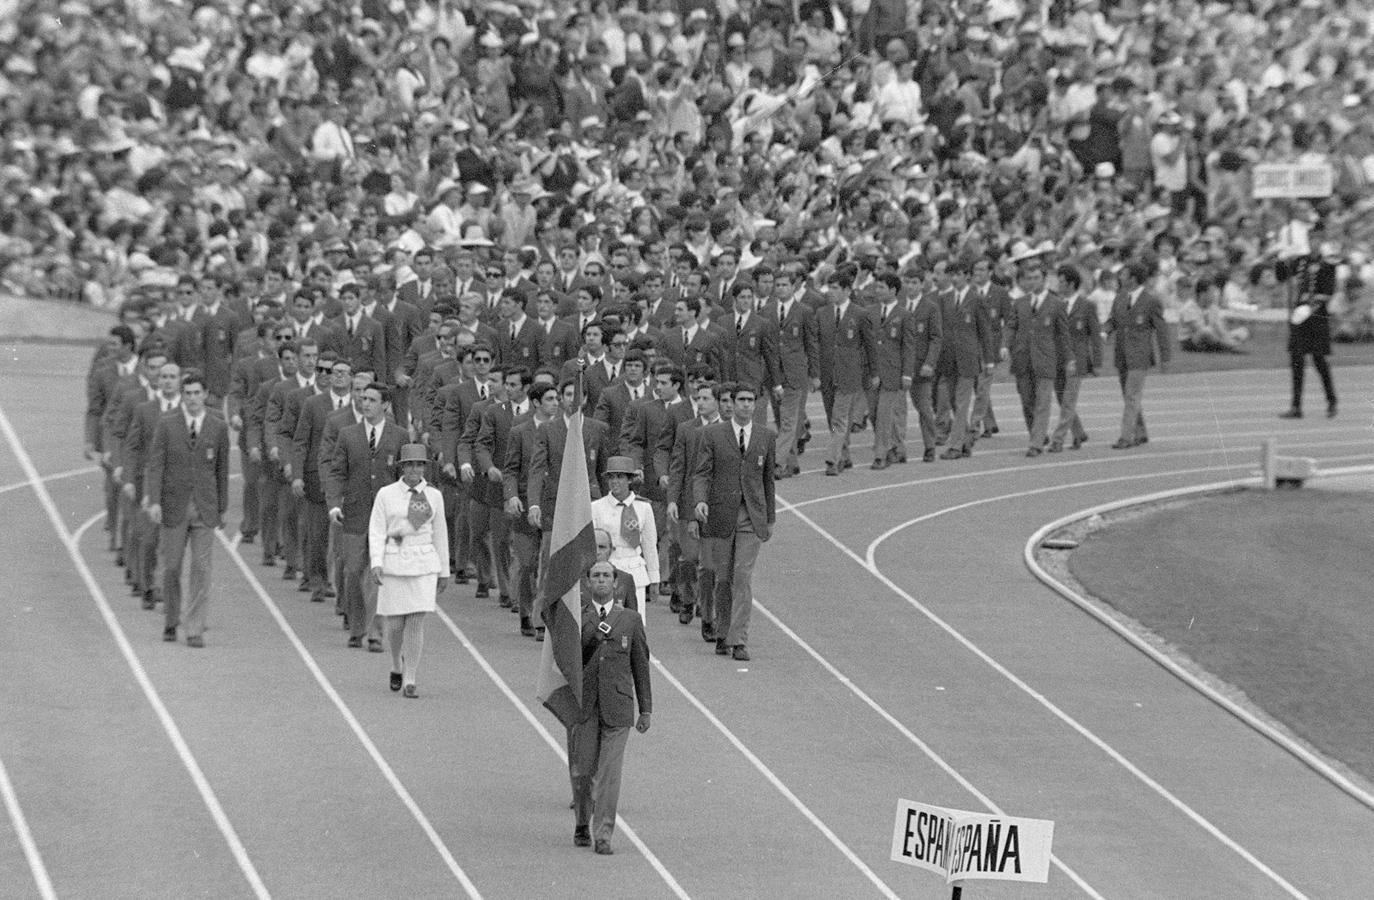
x: 347, y: 714
x: 56, y: 476
x: 26, y: 841
x: 1084, y: 461
x: 1301, y: 753
x: 557, y: 748
x: 866, y: 562
x: 777, y: 783
x: 907, y: 733
x: 169, y: 725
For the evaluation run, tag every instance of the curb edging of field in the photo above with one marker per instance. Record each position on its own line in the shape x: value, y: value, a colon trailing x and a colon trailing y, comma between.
x: 1307, y: 757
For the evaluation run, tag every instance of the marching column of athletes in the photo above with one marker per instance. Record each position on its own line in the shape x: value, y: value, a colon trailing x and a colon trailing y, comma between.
x: 678, y: 385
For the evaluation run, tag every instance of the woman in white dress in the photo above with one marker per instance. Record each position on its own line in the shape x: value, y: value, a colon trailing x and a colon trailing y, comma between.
x: 408, y: 545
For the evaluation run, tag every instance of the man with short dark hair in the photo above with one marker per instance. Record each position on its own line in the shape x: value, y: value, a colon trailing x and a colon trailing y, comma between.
x: 187, y: 489
x: 364, y: 461
x: 733, y: 489
x: 1137, y: 321
x: 615, y: 677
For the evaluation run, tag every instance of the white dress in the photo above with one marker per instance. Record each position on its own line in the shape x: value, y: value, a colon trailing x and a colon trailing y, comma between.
x: 411, y: 558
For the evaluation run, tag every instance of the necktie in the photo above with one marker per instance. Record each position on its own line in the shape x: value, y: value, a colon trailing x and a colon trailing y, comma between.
x: 193, y: 431
x: 350, y: 328
x: 782, y: 314
x: 1035, y: 304
x: 372, y: 439
x: 419, y: 511
x: 512, y: 331
x: 629, y: 524
x: 601, y: 611
x: 742, y: 448
x: 615, y: 372
x: 686, y: 337
x: 838, y: 316
x: 482, y: 391
x: 739, y: 326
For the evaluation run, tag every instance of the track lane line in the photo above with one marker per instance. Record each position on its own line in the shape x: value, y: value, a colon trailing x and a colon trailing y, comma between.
x: 867, y: 563
x: 930, y: 753
x: 349, y: 718
x: 1083, y: 461
x: 759, y: 765
x: 26, y: 842
x: 1302, y: 754
x: 169, y: 725
x: 528, y: 715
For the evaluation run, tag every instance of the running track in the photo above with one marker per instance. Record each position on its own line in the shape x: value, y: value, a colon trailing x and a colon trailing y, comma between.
x: 901, y: 649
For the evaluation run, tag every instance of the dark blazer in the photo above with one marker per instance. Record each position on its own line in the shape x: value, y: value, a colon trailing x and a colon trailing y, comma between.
x: 406, y: 323
x: 138, y: 443
x: 489, y: 449
x: 515, y: 473
x: 293, y: 401
x: 323, y: 334
x: 420, y: 296
x: 798, y: 344
x: 548, y: 462
x: 706, y: 347
x: 452, y: 407
x: 366, y: 348
x: 848, y: 353
x: 355, y: 473
x: 180, y: 473
x: 894, y: 355
x: 218, y: 332
x: 524, y: 349
x: 1138, y: 328
x: 1038, y: 341
x: 557, y: 345
x: 750, y: 357
x: 647, y: 437
x: 255, y: 414
x: 594, y: 381
x: 997, y: 303
x: 725, y: 480
x: 683, y: 466
x: 305, y: 446
x: 248, y: 374
x: 615, y: 668
x: 967, y: 335
x: 611, y: 407
x: 1085, y: 336
x: 924, y: 334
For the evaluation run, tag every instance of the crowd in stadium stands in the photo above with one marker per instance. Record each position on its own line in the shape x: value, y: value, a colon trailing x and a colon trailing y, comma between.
x: 670, y: 166
x: 144, y: 140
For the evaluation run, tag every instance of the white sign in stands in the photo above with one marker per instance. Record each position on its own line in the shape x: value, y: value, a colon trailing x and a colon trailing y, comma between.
x: 964, y: 846
x: 1291, y: 180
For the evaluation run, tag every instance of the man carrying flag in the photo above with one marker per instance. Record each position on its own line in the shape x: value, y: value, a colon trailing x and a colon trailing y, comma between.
x: 595, y: 654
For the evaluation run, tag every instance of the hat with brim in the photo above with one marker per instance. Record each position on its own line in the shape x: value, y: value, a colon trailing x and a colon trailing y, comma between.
x: 411, y: 453
x: 621, y: 465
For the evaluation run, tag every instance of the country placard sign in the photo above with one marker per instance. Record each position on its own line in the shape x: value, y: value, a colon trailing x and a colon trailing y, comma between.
x: 964, y: 846
x: 1291, y: 180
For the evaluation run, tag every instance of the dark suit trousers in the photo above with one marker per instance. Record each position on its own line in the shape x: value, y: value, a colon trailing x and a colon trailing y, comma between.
x: 1297, y: 363
x: 173, y: 541
x: 1037, y: 395
x: 357, y: 588
x: 289, y: 519
x: 252, y: 472
x: 1066, y: 391
x: 732, y: 562
x: 596, y: 759
x: 315, y: 522
x: 112, y: 489
x: 130, y: 540
x: 1132, y: 414
x: 145, y: 540
x: 490, y: 532
x: 269, y: 508
x: 923, y: 398
x: 953, y: 401
x: 524, y: 547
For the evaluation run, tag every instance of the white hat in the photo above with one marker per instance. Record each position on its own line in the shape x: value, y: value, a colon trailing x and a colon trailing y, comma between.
x: 448, y: 184
x: 1105, y: 170
x: 491, y: 39
x: 477, y: 188
x: 590, y: 122
x: 185, y: 58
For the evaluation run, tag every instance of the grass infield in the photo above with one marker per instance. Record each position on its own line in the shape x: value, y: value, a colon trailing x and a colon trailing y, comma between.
x: 1269, y: 592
